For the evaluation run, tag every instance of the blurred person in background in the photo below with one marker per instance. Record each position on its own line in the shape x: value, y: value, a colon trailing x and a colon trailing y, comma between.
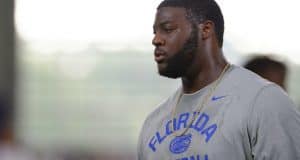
x: 221, y: 111
x: 268, y: 68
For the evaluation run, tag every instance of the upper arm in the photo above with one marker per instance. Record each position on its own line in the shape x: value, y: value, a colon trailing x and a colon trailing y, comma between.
x: 140, y: 148
x: 274, y: 126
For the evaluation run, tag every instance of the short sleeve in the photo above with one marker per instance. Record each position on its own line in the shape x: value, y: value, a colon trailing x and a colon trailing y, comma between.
x: 140, y: 148
x: 274, y: 126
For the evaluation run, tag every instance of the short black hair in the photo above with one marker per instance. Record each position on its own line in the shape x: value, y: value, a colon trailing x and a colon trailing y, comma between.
x: 201, y: 10
x: 262, y: 64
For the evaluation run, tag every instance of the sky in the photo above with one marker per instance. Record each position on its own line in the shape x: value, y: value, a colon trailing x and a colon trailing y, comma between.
x: 251, y: 26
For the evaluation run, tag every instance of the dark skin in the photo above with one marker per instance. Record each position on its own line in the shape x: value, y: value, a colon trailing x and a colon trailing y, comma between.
x: 171, y: 30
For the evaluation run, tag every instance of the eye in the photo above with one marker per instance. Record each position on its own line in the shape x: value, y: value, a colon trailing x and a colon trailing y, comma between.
x: 169, y: 30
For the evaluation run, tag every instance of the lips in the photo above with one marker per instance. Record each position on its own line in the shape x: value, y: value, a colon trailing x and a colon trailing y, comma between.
x: 159, y: 55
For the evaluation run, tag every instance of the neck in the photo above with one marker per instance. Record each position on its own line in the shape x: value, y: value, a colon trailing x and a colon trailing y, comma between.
x: 203, y: 73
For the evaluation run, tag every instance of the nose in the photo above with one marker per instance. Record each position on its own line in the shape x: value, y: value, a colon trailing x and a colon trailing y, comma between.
x: 158, y: 40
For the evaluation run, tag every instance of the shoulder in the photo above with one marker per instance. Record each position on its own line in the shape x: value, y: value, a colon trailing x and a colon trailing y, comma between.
x: 160, y: 112
x: 244, y: 78
x: 243, y: 84
x: 272, y: 100
x: 256, y: 90
x: 244, y: 88
x: 162, y: 109
x: 263, y: 99
x: 273, y: 109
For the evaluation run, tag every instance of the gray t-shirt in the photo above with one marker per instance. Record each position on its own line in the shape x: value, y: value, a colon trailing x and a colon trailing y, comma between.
x: 246, y: 118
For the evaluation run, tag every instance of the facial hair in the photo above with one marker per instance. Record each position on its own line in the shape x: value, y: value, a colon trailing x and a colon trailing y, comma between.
x: 179, y: 63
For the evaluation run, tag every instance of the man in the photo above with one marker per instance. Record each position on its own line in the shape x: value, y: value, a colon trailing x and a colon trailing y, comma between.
x: 269, y: 69
x: 221, y: 111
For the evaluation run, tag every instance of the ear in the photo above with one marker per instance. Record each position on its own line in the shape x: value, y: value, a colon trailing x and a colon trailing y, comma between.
x: 206, y: 29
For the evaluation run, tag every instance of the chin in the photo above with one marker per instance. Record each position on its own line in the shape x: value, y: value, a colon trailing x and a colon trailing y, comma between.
x: 168, y: 74
x: 168, y: 71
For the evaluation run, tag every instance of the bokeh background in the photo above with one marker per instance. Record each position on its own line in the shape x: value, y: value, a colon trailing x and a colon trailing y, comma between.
x: 80, y: 75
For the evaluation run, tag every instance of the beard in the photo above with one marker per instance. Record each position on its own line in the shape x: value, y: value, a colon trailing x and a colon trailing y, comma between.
x: 178, y: 64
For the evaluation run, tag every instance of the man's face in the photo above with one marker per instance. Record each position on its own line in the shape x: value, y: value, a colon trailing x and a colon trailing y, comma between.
x: 175, y: 40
